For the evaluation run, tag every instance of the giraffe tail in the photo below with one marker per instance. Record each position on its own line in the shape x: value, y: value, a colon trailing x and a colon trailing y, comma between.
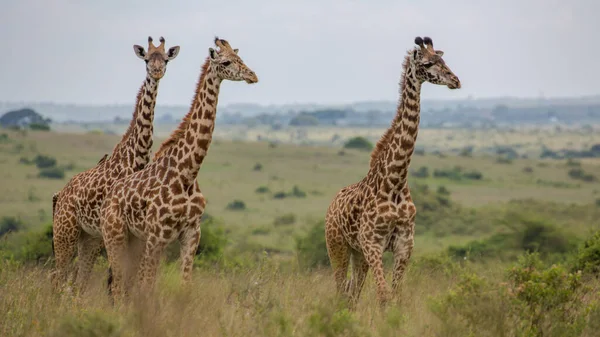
x: 54, y: 200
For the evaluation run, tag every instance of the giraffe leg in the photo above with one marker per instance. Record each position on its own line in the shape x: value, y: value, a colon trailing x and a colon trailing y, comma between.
x: 360, y: 268
x: 402, y: 247
x: 134, y: 257
x: 339, y: 257
x: 88, y: 248
x: 372, y: 246
x: 189, y: 239
x: 65, y: 235
x: 115, y: 235
x: 150, y: 262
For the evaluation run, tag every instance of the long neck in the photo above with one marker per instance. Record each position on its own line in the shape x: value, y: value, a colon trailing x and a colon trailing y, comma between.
x: 192, y: 147
x: 134, y: 148
x: 391, y: 158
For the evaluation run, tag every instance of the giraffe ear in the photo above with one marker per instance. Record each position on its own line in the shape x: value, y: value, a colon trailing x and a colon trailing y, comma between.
x: 439, y: 53
x: 212, y: 53
x: 173, y: 52
x: 236, y: 50
x: 139, y: 51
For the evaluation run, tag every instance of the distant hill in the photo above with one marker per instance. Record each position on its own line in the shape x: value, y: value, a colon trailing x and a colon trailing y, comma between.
x: 502, y: 110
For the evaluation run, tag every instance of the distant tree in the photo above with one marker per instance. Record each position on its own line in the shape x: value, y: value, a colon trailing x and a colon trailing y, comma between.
x: 359, y: 143
x: 304, y: 120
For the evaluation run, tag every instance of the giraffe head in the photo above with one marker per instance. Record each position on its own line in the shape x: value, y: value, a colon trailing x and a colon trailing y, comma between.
x: 228, y: 65
x: 156, y: 58
x: 429, y: 65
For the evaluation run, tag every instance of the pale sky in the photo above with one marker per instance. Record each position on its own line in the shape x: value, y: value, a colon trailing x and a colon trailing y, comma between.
x: 308, y: 51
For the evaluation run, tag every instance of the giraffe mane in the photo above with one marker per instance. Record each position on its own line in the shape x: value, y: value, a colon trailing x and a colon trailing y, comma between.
x: 131, y: 126
x: 385, y: 138
x: 178, y: 133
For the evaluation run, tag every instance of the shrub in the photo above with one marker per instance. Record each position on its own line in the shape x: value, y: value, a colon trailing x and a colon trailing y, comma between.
x: 359, y: 143
x: 279, y: 195
x: 442, y: 190
x: 31, y: 246
x: 257, y: 167
x: 587, y: 258
x: 297, y: 192
x: 236, y: 205
x: 580, y: 174
x: 467, y: 151
x: 286, y: 219
x: 422, y: 172
x: 528, y: 169
x: 10, y: 224
x: 39, y: 127
x: 213, y: 241
x: 527, y: 235
x: 42, y: 161
x: 311, y: 248
x: 52, y: 173
x: 573, y: 163
x: 262, y: 189
x: 457, y: 174
x: 533, y: 301
x: 473, y: 175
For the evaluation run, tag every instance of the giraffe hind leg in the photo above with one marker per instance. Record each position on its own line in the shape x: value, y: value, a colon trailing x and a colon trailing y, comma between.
x: 339, y: 257
x: 89, y: 248
x: 65, y: 234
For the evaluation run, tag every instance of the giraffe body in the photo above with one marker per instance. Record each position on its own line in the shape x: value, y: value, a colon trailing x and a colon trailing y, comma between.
x: 76, y: 208
x: 163, y: 202
x: 377, y: 214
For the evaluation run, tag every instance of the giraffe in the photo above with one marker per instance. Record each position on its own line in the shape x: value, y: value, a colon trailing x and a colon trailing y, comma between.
x: 377, y: 214
x: 163, y: 202
x: 76, y: 208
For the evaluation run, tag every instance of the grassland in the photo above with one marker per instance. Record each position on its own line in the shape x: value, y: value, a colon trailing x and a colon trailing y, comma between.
x: 274, y: 296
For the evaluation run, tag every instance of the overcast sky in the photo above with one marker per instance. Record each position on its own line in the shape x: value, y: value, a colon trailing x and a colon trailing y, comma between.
x: 308, y: 51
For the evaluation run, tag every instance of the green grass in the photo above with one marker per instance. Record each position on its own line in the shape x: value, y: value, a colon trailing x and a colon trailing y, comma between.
x: 228, y: 174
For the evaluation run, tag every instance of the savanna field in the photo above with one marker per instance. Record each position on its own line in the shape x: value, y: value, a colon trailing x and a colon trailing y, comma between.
x: 507, y: 242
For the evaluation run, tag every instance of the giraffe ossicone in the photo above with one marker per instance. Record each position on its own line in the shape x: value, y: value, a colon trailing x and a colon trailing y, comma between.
x: 377, y: 214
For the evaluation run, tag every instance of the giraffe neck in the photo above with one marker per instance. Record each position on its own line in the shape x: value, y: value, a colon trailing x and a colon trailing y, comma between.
x: 134, y: 148
x: 392, y: 156
x: 192, y: 147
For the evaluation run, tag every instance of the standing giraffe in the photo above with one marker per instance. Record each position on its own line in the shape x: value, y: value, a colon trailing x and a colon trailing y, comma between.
x: 161, y: 203
x: 377, y: 213
x: 76, y: 208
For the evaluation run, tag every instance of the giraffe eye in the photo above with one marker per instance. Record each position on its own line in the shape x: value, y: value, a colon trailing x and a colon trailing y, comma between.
x: 428, y: 64
x: 226, y: 63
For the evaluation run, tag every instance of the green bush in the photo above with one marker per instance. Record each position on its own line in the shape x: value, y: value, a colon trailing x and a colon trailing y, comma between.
x: 42, y: 161
x: 279, y: 195
x: 30, y: 246
x: 262, y: 189
x: 257, y: 167
x: 532, y: 301
x: 580, y: 174
x: 442, y: 190
x: 311, y: 248
x: 526, y: 235
x: 39, y: 127
x: 212, y: 242
x: 422, y: 172
x: 52, y: 173
x: 10, y: 224
x: 359, y: 143
x: 236, y: 205
x: 457, y: 173
x: 587, y: 258
x: 297, y: 192
x: 284, y: 220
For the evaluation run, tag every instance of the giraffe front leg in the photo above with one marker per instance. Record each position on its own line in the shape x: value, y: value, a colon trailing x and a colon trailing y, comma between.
x: 115, y: 234
x: 149, y: 264
x: 372, y: 246
x: 402, y: 248
x: 89, y: 248
x: 189, y: 239
x: 135, y: 251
